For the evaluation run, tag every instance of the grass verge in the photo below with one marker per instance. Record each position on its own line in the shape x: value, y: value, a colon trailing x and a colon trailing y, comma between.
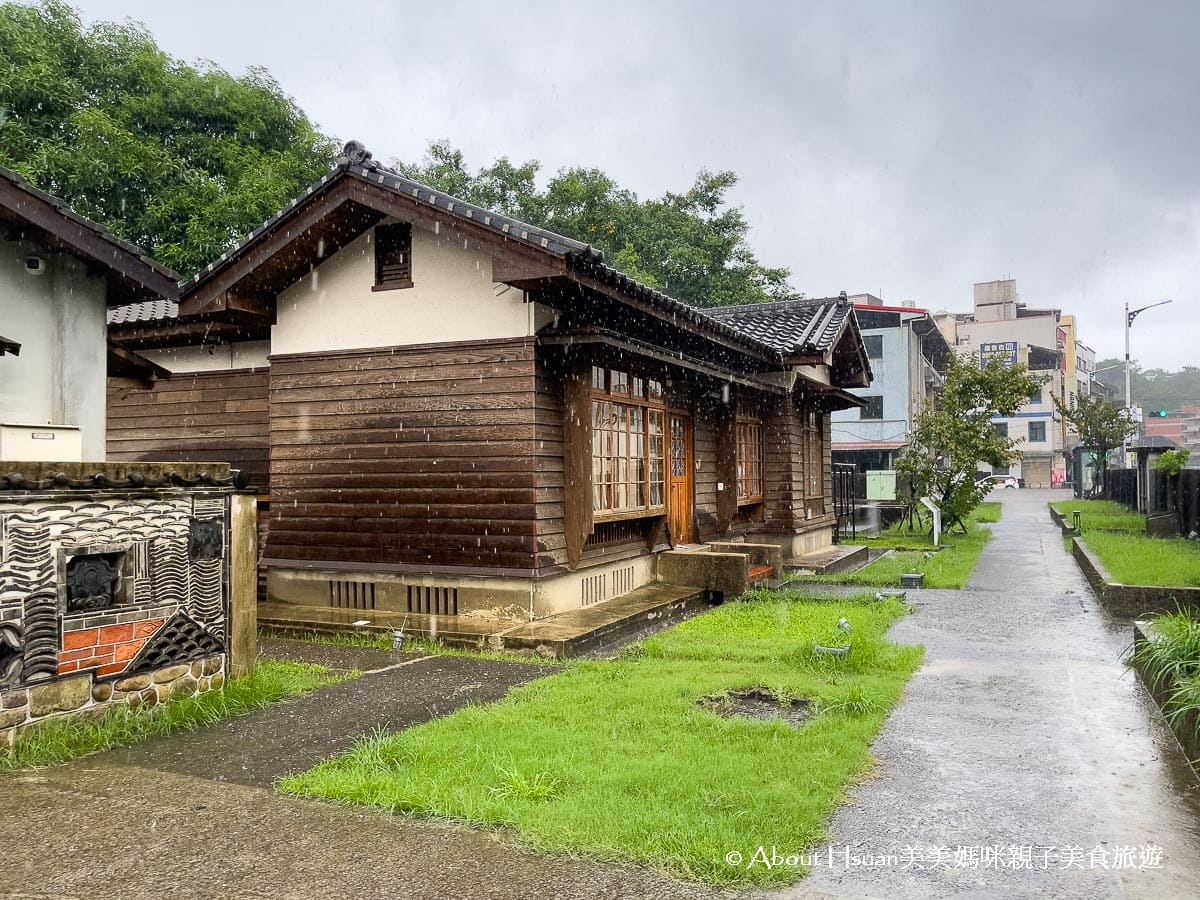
x: 911, y: 551
x: 1170, y: 662
x: 1117, y: 536
x: 59, y: 740
x: 614, y: 759
x: 1138, y: 559
x: 1101, y: 515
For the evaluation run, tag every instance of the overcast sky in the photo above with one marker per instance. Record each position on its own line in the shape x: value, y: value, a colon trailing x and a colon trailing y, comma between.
x: 902, y: 149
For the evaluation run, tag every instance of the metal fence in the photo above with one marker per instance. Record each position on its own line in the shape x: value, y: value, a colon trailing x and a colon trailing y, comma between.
x: 845, y: 504
x: 1178, y: 494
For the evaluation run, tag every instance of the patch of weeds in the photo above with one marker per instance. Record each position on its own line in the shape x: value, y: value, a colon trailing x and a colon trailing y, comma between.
x: 58, y: 740
x: 515, y: 785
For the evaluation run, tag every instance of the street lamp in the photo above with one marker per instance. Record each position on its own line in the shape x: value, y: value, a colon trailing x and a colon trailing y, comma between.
x: 1130, y: 315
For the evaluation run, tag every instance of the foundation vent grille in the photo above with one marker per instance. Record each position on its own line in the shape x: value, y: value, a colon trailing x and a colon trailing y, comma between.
x: 622, y: 581
x: 433, y: 601
x: 352, y: 594
x: 594, y: 589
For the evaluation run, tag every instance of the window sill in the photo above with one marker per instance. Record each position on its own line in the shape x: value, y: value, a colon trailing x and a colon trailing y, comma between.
x: 630, y: 514
x: 749, y: 501
x: 392, y: 286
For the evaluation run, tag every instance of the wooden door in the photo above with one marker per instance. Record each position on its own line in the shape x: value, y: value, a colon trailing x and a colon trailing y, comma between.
x: 679, y: 510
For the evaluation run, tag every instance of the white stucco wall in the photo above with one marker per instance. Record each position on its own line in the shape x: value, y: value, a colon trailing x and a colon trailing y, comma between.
x: 219, y: 358
x: 58, y: 319
x: 453, y: 298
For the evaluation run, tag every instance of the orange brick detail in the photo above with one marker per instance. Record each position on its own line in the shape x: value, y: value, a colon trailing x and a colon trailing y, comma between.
x: 64, y: 667
x: 147, y: 628
x: 76, y: 655
x: 115, y: 634
x: 85, y: 637
x: 111, y: 668
x: 128, y: 650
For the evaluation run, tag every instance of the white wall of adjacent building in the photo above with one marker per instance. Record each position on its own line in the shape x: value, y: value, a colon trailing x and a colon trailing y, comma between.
x: 58, y: 319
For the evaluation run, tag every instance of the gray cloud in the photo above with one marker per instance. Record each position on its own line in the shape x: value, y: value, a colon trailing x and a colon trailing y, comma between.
x: 908, y: 149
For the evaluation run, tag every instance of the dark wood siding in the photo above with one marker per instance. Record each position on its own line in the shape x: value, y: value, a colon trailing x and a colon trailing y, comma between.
x: 550, y: 409
x: 422, y: 457
x: 205, y: 417
x: 784, y: 504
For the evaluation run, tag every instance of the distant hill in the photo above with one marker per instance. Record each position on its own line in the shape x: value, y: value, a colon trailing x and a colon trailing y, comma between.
x: 1153, y: 388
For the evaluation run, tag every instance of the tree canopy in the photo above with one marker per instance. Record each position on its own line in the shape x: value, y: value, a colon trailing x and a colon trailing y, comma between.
x: 1102, y: 427
x: 955, y: 433
x: 690, y: 245
x: 180, y: 160
x: 1152, y: 389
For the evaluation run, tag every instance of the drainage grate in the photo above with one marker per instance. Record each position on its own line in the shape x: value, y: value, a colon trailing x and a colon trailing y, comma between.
x: 433, y: 601
x: 352, y: 594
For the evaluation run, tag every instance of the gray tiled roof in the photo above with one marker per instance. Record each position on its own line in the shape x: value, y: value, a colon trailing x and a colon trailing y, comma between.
x: 357, y: 161
x: 790, y: 326
x: 150, y: 311
x: 63, y: 209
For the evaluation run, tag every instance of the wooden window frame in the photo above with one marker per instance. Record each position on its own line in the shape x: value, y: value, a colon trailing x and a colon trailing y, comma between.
x: 394, y: 238
x: 750, y: 461
x: 614, y: 449
x: 814, y: 455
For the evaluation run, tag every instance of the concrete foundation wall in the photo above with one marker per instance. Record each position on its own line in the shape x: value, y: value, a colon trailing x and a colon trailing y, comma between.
x: 515, y: 597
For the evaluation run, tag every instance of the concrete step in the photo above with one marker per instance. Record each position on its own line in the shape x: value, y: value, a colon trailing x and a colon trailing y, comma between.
x: 838, y: 558
x: 605, y: 625
x: 576, y: 632
x: 457, y: 631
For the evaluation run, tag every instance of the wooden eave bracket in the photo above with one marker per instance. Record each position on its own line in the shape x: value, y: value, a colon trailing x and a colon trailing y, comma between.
x: 141, y: 368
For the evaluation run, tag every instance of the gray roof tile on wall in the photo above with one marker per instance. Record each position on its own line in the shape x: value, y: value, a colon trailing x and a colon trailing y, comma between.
x: 790, y: 326
x: 149, y: 311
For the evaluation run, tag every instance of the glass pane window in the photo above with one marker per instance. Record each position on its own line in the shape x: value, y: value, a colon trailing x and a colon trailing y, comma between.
x: 749, y: 460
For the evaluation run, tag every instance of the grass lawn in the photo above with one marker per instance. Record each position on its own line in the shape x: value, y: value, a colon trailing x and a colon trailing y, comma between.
x: 1101, y: 515
x: 58, y: 740
x: 1117, y: 536
x: 912, y: 551
x: 615, y: 760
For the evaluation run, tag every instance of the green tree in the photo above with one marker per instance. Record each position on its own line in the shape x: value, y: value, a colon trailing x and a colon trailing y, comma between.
x: 691, y: 244
x: 180, y: 160
x: 1102, y: 427
x: 955, y: 433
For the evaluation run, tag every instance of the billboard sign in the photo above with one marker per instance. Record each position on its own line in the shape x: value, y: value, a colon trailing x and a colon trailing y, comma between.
x: 1002, y: 350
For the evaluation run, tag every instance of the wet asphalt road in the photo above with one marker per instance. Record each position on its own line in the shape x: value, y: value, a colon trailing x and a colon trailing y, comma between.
x: 1022, y: 729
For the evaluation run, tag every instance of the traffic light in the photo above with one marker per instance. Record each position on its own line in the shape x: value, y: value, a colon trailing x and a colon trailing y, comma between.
x: 1160, y: 413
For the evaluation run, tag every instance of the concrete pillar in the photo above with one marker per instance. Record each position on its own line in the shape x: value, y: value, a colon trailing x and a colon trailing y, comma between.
x: 243, y: 584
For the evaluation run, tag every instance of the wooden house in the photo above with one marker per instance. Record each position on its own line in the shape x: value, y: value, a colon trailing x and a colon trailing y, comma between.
x: 451, y: 410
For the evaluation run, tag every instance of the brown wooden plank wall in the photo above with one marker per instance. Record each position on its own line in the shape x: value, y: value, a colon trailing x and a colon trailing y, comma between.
x: 704, y: 446
x: 413, y: 456
x: 784, y: 465
x: 202, y: 417
x: 551, y: 474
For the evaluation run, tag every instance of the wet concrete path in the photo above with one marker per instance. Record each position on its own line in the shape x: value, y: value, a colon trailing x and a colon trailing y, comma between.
x: 1022, y: 729
x: 399, y: 690
x: 194, y: 815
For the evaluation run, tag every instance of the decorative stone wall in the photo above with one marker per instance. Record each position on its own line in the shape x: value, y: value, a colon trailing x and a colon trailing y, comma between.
x: 110, y: 594
x: 75, y: 694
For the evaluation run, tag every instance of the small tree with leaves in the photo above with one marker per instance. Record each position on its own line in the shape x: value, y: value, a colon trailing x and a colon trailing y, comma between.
x: 955, y: 433
x: 1102, y: 427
